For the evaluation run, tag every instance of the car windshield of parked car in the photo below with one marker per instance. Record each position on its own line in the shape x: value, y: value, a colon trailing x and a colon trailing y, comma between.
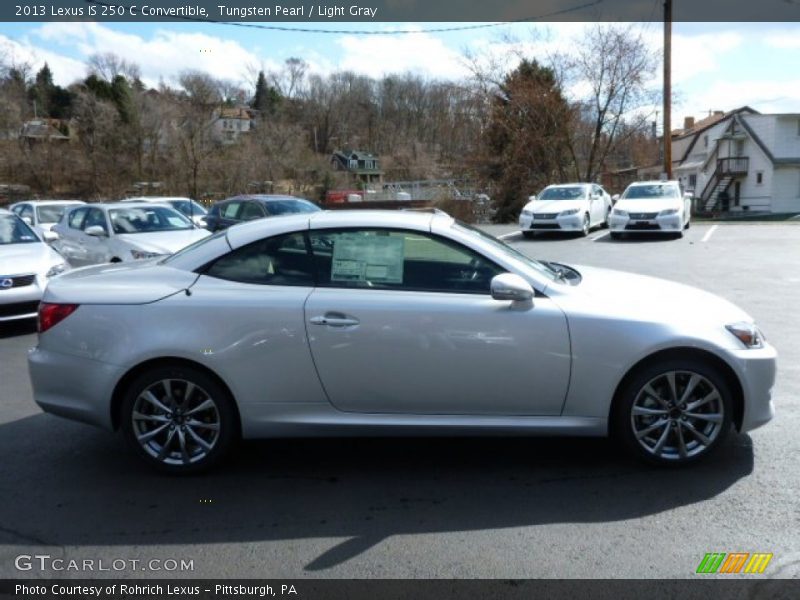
x: 503, y: 248
x: 147, y: 219
x: 50, y: 213
x: 562, y: 193
x: 645, y: 192
x: 189, y: 207
x: 289, y: 207
x: 13, y: 230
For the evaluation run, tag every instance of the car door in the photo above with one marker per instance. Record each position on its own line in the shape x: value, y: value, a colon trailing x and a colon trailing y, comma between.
x: 251, y: 210
x: 69, y: 243
x: 403, y: 322
x: 96, y: 248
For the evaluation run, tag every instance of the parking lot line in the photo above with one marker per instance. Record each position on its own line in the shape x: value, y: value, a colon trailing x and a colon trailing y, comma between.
x: 602, y: 235
x: 508, y: 236
x: 709, y: 233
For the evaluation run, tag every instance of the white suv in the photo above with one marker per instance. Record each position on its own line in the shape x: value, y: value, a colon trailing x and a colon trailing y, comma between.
x: 651, y: 207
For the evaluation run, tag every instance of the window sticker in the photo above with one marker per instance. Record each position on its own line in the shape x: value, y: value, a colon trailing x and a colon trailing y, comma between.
x: 362, y: 258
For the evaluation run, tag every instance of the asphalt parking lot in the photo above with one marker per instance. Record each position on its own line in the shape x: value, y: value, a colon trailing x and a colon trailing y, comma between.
x: 495, y: 508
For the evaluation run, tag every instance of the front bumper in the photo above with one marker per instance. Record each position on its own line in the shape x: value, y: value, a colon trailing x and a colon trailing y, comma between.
x: 20, y: 302
x: 656, y: 224
x: 757, y: 369
x: 551, y: 223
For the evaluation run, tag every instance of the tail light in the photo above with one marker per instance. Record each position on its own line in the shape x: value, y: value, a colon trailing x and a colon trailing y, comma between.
x: 52, y: 314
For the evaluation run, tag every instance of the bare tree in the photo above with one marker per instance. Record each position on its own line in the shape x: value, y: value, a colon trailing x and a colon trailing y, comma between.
x: 108, y: 66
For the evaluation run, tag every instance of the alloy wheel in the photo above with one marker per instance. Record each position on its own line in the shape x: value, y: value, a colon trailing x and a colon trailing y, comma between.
x: 677, y: 415
x: 176, y: 422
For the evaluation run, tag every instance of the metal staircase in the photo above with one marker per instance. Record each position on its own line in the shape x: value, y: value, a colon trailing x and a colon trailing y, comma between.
x: 728, y: 169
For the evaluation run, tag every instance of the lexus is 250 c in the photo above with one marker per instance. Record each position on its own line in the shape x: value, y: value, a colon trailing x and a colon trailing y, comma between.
x: 391, y: 323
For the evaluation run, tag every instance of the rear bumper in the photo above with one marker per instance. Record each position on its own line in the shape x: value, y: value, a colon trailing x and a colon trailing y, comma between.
x: 73, y: 387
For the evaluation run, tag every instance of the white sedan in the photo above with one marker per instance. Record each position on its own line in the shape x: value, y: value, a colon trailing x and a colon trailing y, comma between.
x: 191, y: 209
x: 391, y: 323
x: 651, y: 207
x: 574, y: 207
x: 26, y: 266
x: 102, y: 233
x: 42, y: 215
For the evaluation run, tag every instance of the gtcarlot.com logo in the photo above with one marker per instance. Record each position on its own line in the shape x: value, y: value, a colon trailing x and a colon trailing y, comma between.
x: 733, y: 563
x: 45, y: 562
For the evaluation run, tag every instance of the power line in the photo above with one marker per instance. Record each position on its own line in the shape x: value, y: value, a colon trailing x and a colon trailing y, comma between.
x: 541, y: 17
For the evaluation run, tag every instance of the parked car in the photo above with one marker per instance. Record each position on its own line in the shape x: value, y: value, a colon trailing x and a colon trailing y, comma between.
x: 114, y: 232
x: 42, y: 214
x: 26, y: 265
x: 566, y: 207
x: 190, y: 208
x: 387, y: 323
x: 246, y: 208
x: 651, y: 207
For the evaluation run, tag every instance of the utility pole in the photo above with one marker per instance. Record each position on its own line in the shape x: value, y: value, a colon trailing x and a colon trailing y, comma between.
x: 667, y: 135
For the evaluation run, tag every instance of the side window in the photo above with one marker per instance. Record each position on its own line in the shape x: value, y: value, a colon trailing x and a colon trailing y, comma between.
x: 399, y: 260
x: 280, y: 260
x: 95, y: 217
x: 76, y: 217
x: 27, y: 211
x: 251, y: 210
x: 18, y: 209
x: 229, y: 210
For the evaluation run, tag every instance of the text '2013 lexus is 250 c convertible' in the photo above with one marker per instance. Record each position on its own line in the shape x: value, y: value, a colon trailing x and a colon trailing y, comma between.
x: 391, y: 323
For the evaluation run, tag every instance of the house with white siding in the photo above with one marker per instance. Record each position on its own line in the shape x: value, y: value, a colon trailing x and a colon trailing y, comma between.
x: 740, y: 161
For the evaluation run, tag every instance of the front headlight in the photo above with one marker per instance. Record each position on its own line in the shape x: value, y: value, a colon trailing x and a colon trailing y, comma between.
x: 571, y: 211
x: 668, y: 211
x: 138, y: 254
x: 57, y: 270
x: 747, y: 333
x: 527, y: 213
x: 618, y: 212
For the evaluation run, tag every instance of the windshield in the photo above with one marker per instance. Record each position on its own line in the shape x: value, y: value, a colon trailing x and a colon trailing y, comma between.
x: 147, y: 219
x: 504, y: 248
x: 50, y: 213
x: 655, y: 191
x: 13, y: 230
x: 189, y: 207
x: 563, y: 193
x: 290, y: 206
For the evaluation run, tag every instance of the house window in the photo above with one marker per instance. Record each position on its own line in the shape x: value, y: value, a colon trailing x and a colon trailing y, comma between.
x: 692, y: 182
x: 759, y: 177
x: 353, y: 163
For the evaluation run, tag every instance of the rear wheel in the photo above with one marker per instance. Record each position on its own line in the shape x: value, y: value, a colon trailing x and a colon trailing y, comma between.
x: 178, y: 419
x: 586, y: 225
x: 674, y: 412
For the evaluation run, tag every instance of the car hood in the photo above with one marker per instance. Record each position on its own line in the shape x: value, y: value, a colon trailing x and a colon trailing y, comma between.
x: 137, y: 282
x: 617, y: 294
x: 162, y: 242
x: 554, y: 206
x: 22, y: 259
x: 648, y: 205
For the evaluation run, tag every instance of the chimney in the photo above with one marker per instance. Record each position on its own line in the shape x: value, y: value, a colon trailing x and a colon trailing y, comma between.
x: 688, y: 122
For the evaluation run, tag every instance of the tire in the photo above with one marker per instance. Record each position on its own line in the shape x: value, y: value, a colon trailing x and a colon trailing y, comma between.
x: 605, y: 224
x: 688, y: 224
x: 669, y: 429
x: 615, y: 235
x: 529, y: 235
x: 679, y: 235
x: 587, y: 226
x: 182, y: 436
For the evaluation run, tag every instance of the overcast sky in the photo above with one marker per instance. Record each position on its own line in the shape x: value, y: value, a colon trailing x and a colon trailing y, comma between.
x: 716, y: 66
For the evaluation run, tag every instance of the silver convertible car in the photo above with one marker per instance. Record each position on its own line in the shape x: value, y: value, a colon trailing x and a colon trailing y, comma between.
x: 391, y: 323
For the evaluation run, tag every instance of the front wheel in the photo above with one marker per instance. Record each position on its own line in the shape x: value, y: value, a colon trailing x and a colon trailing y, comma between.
x: 586, y: 226
x: 178, y: 419
x: 673, y: 413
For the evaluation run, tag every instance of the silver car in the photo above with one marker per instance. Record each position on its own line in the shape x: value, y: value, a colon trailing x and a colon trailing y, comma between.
x: 26, y: 265
x: 391, y: 323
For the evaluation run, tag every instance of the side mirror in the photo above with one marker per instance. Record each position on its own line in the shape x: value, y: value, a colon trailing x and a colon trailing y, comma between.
x: 510, y: 286
x: 95, y: 231
x: 49, y: 236
x: 28, y: 221
x: 615, y: 197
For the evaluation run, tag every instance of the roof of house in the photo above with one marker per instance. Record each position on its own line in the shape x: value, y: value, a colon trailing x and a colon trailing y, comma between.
x: 354, y: 154
x: 238, y: 112
x: 709, y: 121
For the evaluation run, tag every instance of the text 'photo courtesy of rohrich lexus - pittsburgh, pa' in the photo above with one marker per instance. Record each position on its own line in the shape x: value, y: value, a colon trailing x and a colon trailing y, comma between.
x: 390, y: 323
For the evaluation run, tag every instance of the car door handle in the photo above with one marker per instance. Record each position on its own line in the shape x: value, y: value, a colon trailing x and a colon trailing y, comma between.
x: 334, y: 320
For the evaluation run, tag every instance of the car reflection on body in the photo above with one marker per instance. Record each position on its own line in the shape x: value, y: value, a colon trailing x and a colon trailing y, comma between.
x: 373, y: 322
x: 26, y: 265
x: 576, y: 207
x: 122, y: 232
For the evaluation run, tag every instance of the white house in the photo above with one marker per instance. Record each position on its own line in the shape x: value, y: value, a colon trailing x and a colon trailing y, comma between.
x: 230, y: 123
x: 741, y: 161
